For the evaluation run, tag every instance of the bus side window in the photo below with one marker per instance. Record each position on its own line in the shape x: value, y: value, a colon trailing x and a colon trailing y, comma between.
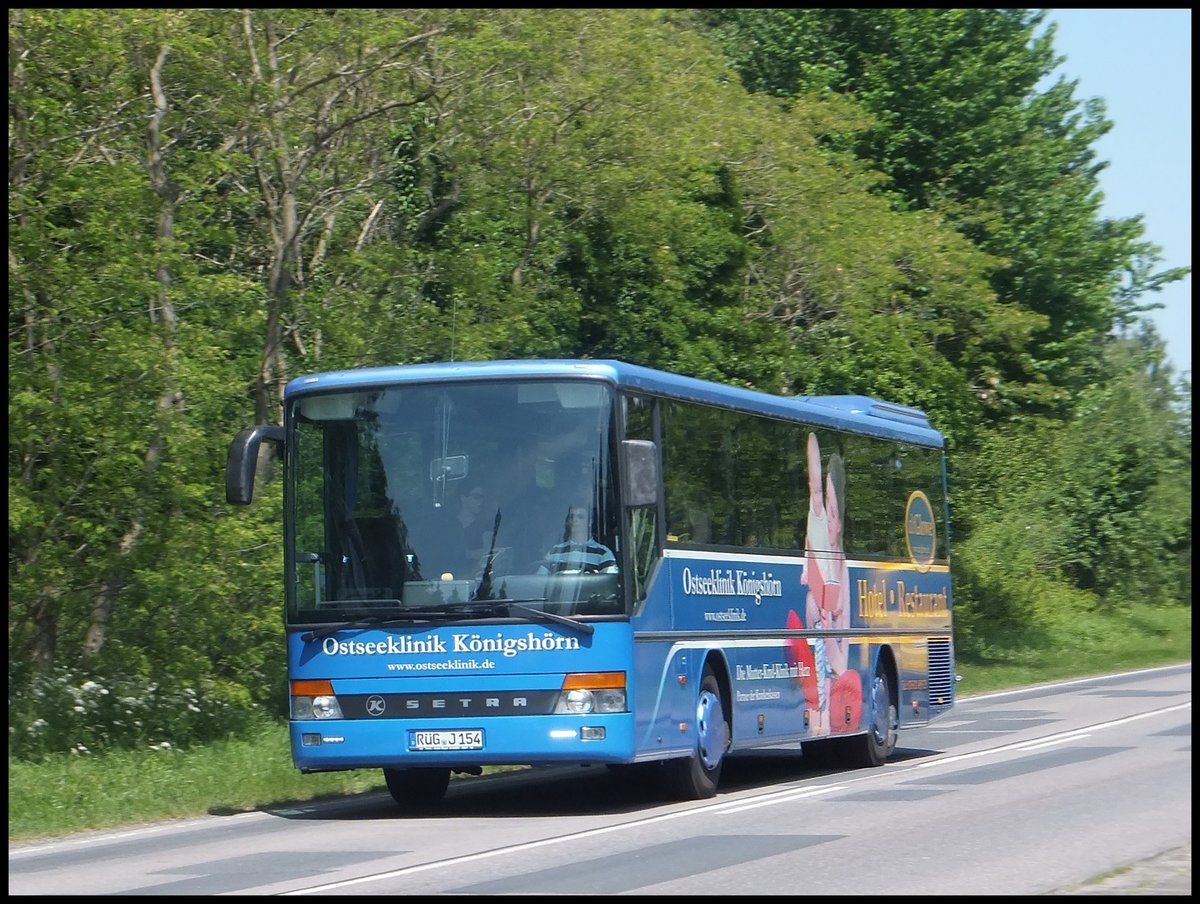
x: 642, y: 520
x: 700, y: 524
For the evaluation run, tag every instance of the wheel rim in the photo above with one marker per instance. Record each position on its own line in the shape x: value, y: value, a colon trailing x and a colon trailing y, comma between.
x: 710, y: 721
x: 883, y: 714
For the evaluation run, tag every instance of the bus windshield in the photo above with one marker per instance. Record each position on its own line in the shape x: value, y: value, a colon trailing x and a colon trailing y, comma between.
x: 468, y: 498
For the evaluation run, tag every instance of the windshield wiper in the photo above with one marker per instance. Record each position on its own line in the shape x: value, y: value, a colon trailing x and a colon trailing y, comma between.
x: 379, y: 621
x: 474, y: 609
x: 484, y: 590
x: 480, y: 606
x: 557, y: 618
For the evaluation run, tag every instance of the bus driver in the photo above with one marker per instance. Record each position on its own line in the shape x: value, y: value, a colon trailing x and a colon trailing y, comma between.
x: 578, y: 551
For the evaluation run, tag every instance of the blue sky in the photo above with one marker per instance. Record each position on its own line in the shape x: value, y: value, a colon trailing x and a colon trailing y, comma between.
x: 1140, y: 62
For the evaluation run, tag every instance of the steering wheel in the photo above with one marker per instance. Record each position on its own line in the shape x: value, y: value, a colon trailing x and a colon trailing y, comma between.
x: 557, y: 567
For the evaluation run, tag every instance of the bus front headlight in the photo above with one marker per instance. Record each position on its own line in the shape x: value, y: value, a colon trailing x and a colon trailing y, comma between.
x: 593, y: 692
x: 304, y: 708
x: 314, y: 700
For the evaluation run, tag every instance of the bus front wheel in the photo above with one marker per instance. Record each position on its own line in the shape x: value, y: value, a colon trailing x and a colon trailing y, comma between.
x: 417, y: 787
x: 696, y: 777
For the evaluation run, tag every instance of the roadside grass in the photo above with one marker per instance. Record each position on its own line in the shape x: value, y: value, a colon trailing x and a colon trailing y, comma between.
x: 73, y: 793
x: 69, y: 793
x: 1089, y: 644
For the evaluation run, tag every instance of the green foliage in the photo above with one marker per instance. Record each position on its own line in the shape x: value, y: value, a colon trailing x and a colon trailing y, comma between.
x: 960, y: 126
x: 1061, y: 520
x: 1124, y: 490
x: 63, y: 710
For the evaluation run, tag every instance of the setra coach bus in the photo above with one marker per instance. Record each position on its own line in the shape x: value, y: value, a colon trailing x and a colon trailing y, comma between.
x: 592, y: 562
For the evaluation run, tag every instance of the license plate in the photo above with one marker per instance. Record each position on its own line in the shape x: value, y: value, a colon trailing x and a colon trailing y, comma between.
x: 460, y: 739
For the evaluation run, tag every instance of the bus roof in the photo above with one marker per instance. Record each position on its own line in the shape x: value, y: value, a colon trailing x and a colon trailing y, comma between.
x: 858, y: 414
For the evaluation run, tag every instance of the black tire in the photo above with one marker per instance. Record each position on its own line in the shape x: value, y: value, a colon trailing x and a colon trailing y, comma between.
x: 883, y: 725
x: 419, y: 787
x: 696, y: 777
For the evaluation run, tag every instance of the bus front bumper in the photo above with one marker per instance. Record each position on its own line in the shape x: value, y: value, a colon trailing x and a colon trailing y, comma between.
x: 319, y: 745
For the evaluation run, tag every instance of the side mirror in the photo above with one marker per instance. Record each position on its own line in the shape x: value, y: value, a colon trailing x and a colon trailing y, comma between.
x: 639, y: 472
x: 243, y: 460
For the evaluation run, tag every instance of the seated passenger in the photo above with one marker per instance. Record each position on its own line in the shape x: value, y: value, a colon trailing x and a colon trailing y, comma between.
x: 579, y: 551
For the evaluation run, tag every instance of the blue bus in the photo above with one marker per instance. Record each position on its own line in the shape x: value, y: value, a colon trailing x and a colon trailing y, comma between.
x: 592, y: 562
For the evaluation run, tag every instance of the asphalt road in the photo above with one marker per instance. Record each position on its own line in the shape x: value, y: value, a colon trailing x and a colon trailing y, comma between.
x: 1080, y: 787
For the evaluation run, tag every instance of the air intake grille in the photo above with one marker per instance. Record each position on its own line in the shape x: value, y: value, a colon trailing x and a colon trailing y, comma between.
x: 941, y: 672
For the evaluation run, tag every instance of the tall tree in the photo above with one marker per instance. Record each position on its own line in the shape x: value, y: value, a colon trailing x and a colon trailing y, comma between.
x: 967, y: 124
x: 113, y: 555
x: 312, y: 85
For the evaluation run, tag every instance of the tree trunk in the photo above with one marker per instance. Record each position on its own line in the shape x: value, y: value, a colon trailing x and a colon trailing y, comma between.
x: 160, y: 310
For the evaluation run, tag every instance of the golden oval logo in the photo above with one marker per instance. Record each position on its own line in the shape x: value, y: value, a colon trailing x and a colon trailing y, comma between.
x: 920, y: 534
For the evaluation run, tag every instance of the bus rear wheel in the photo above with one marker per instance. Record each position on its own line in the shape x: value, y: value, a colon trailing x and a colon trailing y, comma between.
x: 418, y: 787
x: 696, y: 777
x: 874, y: 747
